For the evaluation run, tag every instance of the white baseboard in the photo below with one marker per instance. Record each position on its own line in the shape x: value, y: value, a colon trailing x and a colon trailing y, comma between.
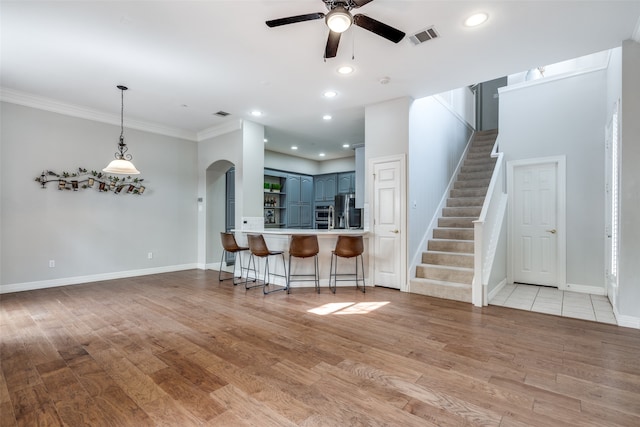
x: 585, y: 289
x: 626, y: 321
x: 497, y: 289
x: 66, y: 281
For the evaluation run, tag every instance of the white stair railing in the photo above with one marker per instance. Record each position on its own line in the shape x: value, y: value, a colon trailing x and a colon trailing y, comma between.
x: 487, y: 229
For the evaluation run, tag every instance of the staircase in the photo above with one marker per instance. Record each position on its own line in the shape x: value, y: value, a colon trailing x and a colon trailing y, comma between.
x: 446, y: 270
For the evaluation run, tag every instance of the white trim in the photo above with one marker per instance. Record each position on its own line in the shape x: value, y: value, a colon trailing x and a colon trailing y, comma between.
x: 627, y: 321
x: 214, y: 131
x: 47, y: 104
x: 453, y: 112
x: 66, y: 281
x: 496, y: 290
x: 561, y: 164
x: 551, y: 79
x: 584, y: 289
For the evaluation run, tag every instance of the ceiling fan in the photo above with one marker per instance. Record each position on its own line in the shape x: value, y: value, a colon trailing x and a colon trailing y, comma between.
x: 339, y: 19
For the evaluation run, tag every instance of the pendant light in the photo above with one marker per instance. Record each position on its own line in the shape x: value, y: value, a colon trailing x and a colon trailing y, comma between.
x: 122, y: 164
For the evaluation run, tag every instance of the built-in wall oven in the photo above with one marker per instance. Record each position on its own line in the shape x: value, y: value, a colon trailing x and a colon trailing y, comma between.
x: 321, y: 217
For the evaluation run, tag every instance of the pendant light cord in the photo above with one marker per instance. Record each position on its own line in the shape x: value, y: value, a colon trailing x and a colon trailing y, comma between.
x: 121, y: 113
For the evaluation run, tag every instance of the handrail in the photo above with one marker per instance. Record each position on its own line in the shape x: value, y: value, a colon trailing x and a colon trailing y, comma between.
x: 485, y: 227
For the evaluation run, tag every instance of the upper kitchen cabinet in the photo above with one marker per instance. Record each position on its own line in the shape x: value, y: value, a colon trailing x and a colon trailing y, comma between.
x: 346, y: 182
x: 299, y: 201
x: 325, y: 187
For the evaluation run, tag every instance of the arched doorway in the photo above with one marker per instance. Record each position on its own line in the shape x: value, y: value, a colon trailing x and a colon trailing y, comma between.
x: 220, y: 208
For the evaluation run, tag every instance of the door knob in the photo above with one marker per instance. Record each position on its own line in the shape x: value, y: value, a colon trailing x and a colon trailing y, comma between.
x: 396, y: 231
x: 552, y: 231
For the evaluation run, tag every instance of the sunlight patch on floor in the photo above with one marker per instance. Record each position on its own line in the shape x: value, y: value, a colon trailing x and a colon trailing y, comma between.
x: 348, y: 308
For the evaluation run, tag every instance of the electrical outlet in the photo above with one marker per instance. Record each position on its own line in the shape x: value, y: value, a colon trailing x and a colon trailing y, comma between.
x: 150, y: 255
x: 52, y: 263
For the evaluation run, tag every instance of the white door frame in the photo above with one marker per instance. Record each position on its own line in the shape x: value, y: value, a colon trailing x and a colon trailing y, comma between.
x: 402, y: 193
x: 611, y: 197
x: 561, y: 221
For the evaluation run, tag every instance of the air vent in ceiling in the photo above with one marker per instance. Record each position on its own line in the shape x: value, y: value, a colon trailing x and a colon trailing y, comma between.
x: 221, y: 114
x: 424, y: 35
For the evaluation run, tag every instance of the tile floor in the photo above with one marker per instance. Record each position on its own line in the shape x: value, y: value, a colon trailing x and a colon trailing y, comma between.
x: 542, y: 299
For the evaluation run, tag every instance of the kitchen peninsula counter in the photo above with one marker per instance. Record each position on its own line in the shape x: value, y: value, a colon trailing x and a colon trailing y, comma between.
x: 278, y: 239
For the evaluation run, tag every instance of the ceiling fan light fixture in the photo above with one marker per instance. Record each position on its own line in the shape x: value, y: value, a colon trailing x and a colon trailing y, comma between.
x: 339, y: 19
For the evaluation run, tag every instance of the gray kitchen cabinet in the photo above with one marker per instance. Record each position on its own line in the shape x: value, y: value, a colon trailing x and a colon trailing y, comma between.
x: 346, y: 182
x: 325, y: 188
x: 299, y: 201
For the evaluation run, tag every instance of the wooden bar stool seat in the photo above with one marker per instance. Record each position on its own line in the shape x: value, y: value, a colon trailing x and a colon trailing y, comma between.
x: 258, y: 248
x: 230, y: 246
x: 304, y: 246
x: 347, y: 247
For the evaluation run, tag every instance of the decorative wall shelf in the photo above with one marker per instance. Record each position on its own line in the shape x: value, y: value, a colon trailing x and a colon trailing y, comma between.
x: 82, y: 179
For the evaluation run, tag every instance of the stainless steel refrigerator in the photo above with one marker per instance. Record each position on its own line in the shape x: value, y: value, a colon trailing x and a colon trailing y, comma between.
x: 346, y: 214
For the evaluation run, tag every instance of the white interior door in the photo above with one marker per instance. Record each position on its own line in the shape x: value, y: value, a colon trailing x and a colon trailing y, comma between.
x: 387, y: 224
x: 535, y: 224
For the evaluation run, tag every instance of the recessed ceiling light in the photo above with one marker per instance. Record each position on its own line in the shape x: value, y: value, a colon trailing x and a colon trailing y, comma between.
x: 294, y: 147
x: 265, y: 140
x: 346, y: 69
x: 330, y: 94
x: 345, y: 145
x: 476, y: 19
x: 326, y: 117
x: 321, y: 154
x: 256, y: 113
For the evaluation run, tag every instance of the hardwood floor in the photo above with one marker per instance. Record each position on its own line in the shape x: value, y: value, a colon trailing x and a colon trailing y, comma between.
x: 182, y: 349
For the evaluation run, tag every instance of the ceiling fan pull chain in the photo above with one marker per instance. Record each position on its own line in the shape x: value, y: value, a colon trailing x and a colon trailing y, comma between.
x: 353, y: 46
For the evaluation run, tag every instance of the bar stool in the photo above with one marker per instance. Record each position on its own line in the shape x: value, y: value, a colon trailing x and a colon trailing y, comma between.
x: 229, y: 245
x: 304, y: 246
x: 258, y: 248
x: 347, y: 247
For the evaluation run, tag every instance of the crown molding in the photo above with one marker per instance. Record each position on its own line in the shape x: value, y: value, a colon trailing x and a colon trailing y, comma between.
x: 34, y: 101
x: 214, y: 131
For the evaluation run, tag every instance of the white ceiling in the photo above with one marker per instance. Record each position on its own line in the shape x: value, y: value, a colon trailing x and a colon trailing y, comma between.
x: 185, y: 60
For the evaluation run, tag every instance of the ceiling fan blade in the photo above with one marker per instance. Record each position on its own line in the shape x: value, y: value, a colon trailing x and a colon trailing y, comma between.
x: 379, y: 28
x: 360, y: 3
x: 332, y: 45
x: 294, y: 19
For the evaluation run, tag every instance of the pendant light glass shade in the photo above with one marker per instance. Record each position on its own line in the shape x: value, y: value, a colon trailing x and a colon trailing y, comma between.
x: 122, y: 167
x: 122, y: 164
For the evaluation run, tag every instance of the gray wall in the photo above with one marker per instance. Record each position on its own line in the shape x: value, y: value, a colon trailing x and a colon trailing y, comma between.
x: 437, y: 139
x: 566, y: 117
x: 488, y: 104
x: 90, y: 235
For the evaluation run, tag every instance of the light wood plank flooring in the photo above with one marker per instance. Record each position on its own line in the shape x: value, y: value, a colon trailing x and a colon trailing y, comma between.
x: 182, y: 349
